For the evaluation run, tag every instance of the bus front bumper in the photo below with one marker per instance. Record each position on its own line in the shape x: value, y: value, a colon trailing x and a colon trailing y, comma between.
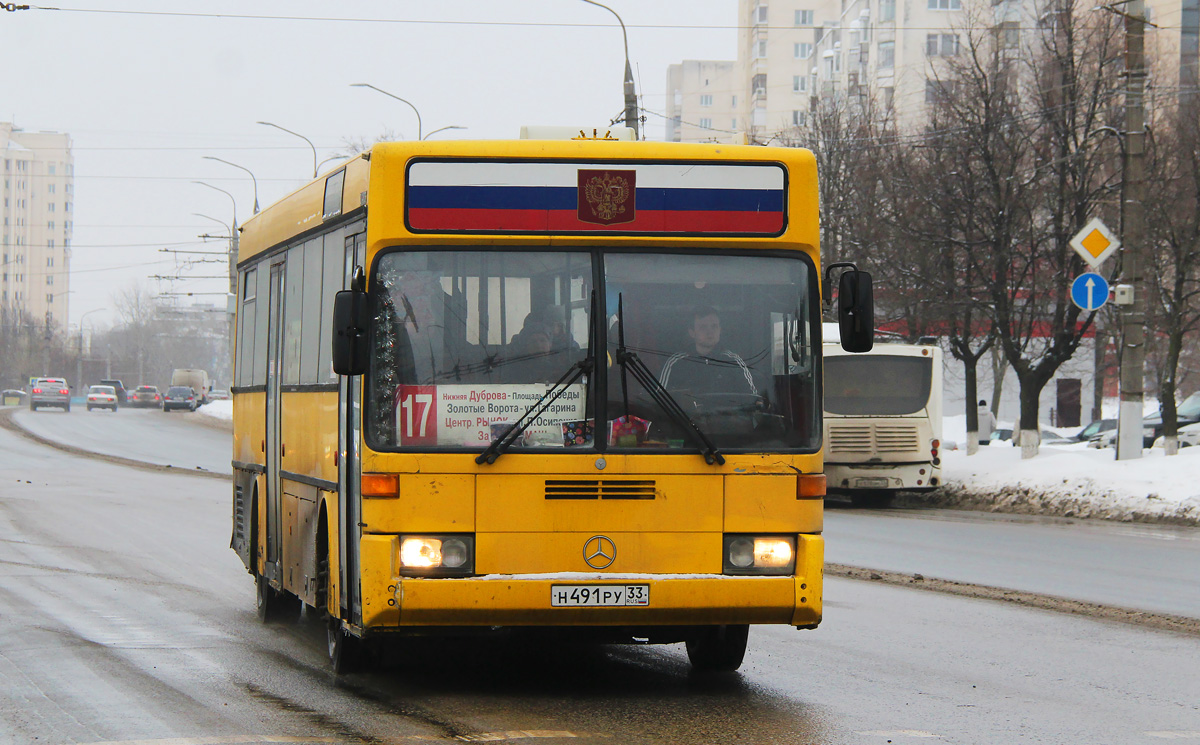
x: 527, y: 600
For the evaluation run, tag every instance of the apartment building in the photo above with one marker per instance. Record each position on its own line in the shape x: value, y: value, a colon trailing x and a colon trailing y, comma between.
x: 702, y: 102
x: 1173, y: 47
x: 888, y: 54
x: 37, y: 212
x: 777, y: 43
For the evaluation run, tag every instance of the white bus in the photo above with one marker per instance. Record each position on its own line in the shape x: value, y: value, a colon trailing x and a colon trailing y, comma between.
x: 883, y: 419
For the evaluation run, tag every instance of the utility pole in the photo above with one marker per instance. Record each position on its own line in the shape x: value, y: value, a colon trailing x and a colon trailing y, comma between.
x: 231, y: 310
x: 1133, y: 320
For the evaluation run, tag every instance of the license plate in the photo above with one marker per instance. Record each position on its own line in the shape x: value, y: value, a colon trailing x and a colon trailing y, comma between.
x: 599, y: 596
x: 871, y: 483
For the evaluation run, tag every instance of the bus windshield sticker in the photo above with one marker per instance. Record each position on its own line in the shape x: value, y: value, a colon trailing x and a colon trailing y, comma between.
x: 458, y: 415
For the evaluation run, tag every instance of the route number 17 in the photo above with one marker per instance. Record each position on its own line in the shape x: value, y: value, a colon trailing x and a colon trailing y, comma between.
x: 415, y: 414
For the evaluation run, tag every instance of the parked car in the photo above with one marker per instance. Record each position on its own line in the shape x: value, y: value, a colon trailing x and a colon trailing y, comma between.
x: 1094, y: 429
x: 1189, y: 436
x: 218, y: 395
x: 146, y: 396
x: 1047, y: 438
x: 52, y: 392
x: 102, y: 397
x: 1188, y: 412
x: 122, y: 395
x: 180, y: 397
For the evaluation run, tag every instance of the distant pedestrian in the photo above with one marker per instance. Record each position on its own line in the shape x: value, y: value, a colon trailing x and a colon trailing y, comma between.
x: 987, y: 422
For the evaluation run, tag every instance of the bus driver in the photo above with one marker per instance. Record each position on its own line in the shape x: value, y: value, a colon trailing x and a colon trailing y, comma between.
x: 707, y: 369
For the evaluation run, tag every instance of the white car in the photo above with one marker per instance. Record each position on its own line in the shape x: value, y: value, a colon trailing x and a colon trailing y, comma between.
x: 102, y: 397
x: 1189, y: 435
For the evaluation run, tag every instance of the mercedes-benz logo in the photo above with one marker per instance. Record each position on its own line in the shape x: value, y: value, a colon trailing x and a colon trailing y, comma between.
x: 599, y: 552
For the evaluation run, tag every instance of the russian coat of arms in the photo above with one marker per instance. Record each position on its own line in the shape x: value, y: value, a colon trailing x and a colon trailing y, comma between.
x: 607, y: 197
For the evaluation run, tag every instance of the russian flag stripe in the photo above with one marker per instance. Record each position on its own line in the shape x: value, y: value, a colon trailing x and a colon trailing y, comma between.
x: 559, y: 198
x: 564, y: 221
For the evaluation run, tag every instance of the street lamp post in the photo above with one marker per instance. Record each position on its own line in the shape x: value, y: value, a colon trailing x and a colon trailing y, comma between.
x: 244, y: 168
x: 297, y: 134
x: 222, y: 223
x: 335, y: 157
x: 233, y: 256
x: 441, y: 129
x: 393, y: 95
x: 79, y: 359
x: 631, y: 108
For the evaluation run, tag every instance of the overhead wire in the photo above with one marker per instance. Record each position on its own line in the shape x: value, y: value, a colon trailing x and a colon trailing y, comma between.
x: 442, y: 22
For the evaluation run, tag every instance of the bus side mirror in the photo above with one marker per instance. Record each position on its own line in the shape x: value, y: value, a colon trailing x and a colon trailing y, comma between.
x: 856, y: 311
x: 351, y: 318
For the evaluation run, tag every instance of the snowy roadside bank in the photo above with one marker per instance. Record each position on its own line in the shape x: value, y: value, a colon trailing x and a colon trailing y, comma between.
x: 1072, y: 481
x: 1067, y: 481
x: 216, y: 414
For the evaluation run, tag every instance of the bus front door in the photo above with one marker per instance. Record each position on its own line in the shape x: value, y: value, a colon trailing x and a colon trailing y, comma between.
x: 274, y: 378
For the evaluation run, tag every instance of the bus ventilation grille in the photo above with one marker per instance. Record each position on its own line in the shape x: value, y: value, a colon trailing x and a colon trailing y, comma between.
x: 870, y: 439
x: 239, y: 512
x: 596, y: 489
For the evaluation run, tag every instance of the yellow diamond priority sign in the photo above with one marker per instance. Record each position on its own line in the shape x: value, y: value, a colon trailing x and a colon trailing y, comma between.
x: 1095, y: 243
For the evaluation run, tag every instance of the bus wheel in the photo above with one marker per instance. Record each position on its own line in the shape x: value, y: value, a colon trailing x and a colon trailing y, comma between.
x: 874, y: 498
x: 272, y: 605
x: 718, y: 648
x: 346, y: 653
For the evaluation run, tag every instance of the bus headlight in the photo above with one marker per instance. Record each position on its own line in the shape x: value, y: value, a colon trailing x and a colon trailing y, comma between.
x: 436, y: 555
x: 750, y: 554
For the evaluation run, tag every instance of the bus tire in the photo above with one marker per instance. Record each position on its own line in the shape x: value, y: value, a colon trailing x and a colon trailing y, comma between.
x: 272, y: 605
x: 718, y: 648
x: 346, y: 653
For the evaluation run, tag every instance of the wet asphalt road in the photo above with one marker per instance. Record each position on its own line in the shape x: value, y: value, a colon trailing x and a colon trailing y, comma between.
x: 124, y: 617
x: 174, y: 439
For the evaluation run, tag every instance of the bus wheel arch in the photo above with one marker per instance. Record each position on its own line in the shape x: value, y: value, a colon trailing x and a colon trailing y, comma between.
x: 718, y: 649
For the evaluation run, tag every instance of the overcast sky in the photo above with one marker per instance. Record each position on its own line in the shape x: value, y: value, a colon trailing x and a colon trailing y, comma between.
x: 145, y: 89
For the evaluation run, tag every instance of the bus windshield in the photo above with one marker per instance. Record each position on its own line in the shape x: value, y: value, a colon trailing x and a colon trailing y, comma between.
x: 465, y: 341
x: 878, y: 385
x: 729, y: 338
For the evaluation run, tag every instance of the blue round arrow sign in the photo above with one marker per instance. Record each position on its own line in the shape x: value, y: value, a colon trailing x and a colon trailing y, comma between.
x: 1089, y: 291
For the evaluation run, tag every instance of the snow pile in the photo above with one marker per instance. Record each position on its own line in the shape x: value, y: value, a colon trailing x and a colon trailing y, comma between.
x: 222, y: 410
x: 1070, y: 480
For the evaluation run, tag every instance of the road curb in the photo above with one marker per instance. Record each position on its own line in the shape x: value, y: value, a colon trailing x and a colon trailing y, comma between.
x: 1144, y: 619
x: 7, y: 422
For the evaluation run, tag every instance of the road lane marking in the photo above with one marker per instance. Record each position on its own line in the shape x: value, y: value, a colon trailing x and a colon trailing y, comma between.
x: 1176, y: 734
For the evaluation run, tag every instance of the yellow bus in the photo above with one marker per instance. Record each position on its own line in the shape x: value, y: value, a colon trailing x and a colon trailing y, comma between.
x: 538, y: 385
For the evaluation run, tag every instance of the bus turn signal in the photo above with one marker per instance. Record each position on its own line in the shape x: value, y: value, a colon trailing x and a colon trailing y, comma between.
x: 380, y: 485
x: 810, y: 486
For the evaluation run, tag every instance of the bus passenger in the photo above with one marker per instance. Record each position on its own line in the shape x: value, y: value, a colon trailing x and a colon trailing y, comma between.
x: 532, y: 357
x: 706, y: 367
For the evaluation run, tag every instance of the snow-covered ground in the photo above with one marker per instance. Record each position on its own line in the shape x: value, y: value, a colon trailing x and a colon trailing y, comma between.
x: 222, y: 410
x: 1071, y: 480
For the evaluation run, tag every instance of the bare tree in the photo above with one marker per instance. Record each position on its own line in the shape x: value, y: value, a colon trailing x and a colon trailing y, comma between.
x: 1173, y: 234
x: 1066, y: 93
x: 352, y: 145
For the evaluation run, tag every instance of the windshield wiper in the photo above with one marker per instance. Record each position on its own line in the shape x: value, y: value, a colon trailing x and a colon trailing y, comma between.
x: 633, y: 364
x: 537, y: 408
